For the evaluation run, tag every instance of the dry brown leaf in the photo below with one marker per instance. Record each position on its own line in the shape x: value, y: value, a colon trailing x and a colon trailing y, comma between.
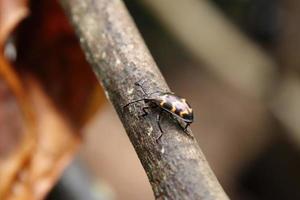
x: 18, y: 135
x: 56, y: 144
x: 44, y: 141
x: 16, y: 123
x: 37, y: 136
x: 56, y: 59
x: 12, y: 12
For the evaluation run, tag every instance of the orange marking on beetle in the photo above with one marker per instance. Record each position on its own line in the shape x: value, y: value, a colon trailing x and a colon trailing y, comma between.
x: 173, y: 108
x: 162, y: 102
x: 189, y: 109
x: 183, y: 112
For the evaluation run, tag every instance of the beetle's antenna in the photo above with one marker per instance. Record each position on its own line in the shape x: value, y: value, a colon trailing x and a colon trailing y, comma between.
x: 154, y: 93
x: 138, y: 84
x: 133, y: 102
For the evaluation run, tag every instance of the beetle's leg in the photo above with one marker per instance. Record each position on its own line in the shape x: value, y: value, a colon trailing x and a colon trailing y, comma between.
x: 158, y: 123
x: 186, y: 126
x: 185, y: 130
x: 140, y: 85
x: 147, y: 107
x: 145, y: 111
x: 179, y: 124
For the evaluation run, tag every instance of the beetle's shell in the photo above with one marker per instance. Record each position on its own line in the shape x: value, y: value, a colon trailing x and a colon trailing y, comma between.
x: 175, y: 105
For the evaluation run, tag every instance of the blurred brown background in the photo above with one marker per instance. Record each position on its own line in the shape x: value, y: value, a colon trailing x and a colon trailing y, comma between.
x: 236, y: 61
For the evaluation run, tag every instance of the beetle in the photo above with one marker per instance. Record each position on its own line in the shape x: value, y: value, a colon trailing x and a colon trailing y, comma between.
x: 167, y: 102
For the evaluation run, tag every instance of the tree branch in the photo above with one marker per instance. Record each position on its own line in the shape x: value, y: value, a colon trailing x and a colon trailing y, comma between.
x: 175, y: 165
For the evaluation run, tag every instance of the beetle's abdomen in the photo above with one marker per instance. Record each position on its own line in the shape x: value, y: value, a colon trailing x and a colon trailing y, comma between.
x: 177, y: 106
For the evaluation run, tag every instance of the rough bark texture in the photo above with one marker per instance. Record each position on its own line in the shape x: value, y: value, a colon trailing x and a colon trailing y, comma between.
x: 175, y: 165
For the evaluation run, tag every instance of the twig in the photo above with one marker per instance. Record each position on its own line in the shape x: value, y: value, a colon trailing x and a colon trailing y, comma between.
x: 175, y: 165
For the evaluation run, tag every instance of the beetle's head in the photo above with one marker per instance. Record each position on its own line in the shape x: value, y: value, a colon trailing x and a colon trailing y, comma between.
x: 188, y: 116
